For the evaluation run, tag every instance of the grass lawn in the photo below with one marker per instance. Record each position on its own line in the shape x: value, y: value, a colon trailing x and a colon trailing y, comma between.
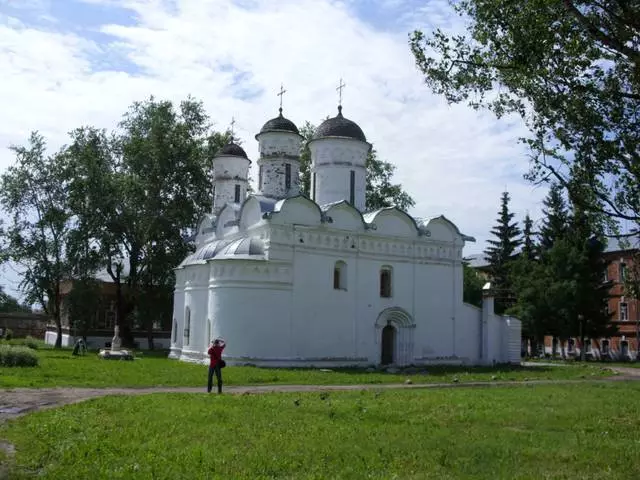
x: 58, y: 368
x: 573, y: 431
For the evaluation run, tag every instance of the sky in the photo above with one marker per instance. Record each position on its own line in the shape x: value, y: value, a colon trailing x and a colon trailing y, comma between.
x: 68, y: 63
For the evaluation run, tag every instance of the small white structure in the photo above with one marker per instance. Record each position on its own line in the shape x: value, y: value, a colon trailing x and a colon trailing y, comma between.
x: 294, y: 281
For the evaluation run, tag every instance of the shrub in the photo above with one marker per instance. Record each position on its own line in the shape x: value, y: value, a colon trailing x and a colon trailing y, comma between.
x: 11, y: 356
x: 31, y: 342
x: 8, y: 334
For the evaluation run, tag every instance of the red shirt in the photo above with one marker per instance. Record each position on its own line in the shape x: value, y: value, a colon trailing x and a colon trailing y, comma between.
x: 215, y: 354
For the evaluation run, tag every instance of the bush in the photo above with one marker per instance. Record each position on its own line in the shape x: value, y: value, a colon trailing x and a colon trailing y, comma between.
x: 31, y: 342
x: 11, y: 356
x: 8, y: 334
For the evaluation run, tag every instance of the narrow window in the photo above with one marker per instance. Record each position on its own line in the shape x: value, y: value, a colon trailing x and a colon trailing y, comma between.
x: 587, y: 346
x: 624, y: 348
x: 237, y: 195
x: 313, y: 191
x: 623, y: 272
x: 605, y: 347
x: 385, y: 282
x: 624, y: 312
x: 260, y: 177
x: 187, y: 325
x: 352, y: 188
x: 340, y: 275
x: 287, y: 176
x: 605, y: 277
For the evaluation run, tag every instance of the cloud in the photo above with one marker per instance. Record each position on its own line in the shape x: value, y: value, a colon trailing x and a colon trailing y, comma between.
x: 234, y: 55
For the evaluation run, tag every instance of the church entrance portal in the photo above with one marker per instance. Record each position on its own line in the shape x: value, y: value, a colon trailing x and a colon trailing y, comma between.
x: 388, y: 340
x: 394, y: 332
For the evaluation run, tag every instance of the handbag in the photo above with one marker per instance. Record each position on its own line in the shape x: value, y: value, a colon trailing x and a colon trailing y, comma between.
x: 222, y: 363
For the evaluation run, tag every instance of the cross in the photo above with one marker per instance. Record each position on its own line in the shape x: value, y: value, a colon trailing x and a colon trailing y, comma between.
x: 339, y: 89
x: 233, y: 122
x: 281, y: 94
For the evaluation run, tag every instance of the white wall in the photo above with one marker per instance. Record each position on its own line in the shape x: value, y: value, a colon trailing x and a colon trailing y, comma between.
x: 229, y: 171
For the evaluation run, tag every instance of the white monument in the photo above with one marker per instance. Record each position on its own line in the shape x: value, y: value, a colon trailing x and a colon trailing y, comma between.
x: 115, y: 352
x: 290, y: 280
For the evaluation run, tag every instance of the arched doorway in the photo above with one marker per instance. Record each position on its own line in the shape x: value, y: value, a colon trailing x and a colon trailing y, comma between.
x: 388, y: 342
x: 394, y: 337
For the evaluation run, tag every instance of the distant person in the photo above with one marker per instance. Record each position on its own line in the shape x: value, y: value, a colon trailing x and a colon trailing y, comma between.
x: 216, y: 363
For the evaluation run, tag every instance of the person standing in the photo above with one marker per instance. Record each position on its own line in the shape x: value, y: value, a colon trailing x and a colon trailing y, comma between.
x: 216, y: 363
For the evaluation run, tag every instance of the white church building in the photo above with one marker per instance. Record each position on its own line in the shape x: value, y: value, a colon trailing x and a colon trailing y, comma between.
x: 289, y: 280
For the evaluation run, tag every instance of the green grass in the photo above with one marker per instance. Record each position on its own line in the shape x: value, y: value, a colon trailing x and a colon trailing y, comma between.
x: 574, y: 431
x: 59, y: 368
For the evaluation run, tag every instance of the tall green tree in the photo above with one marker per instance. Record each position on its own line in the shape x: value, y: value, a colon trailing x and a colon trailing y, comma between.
x: 140, y: 191
x: 555, y: 223
x: 570, y: 70
x: 528, y: 241
x: 472, y: 286
x: 501, y: 252
x: 380, y: 190
x: 32, y: 193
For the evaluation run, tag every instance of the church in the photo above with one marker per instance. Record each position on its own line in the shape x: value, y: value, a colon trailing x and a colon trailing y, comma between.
x: 291, y: 281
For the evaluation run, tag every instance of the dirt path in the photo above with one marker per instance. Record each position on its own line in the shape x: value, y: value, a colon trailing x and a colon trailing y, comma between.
x: 20, y: 401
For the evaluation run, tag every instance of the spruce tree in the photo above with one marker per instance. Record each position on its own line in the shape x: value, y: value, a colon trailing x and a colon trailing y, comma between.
x: 556, y: 217
x: 528, y: 244
x: 500, y: 254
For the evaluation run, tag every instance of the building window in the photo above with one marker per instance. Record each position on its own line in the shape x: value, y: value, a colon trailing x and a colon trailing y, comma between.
x: 587, y: 345
x: 624, y: 348
x: 260, y: 177
x: 187, y: 325
x: 385, y: 282
x: 340, y: 276
x: 237, y: 194
x: 352, y: 188
x: 623, y: 272
x: 624, y: 312
x: 571, y: 345
x: 605, y: 276
x: 605, y: 347
x: 175, y: 331
x: 313, y: 187
x: 287, y: 176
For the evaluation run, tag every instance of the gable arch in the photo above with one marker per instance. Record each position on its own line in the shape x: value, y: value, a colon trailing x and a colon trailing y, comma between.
x: 393, y: 222
x: 442, y: 229
x: 344, y: 216
x: 228, y: 220
x: 396, y: 316
x: 250, y: 213
x: 297, y: 210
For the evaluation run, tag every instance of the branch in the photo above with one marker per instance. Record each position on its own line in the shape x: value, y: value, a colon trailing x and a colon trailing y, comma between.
x: 599, y: 35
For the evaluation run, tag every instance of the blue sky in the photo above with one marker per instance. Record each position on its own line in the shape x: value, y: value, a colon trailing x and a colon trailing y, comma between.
x: 67, y: 63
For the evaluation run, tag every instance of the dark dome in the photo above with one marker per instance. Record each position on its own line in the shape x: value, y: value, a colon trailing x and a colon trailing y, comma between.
x: 233, y: 149
x: 339, y: 126
x: 279, y: 124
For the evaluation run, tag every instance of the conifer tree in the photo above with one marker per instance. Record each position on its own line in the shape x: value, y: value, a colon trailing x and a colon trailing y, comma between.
x: 528, y: 245
x: 556, y: 217
x: 500, y: 254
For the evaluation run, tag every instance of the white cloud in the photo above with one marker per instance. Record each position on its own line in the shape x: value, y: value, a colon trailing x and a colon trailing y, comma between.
x: 452, y: 160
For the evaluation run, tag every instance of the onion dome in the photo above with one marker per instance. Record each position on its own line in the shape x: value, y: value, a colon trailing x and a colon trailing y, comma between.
x: 233, y: 149
x: 340, y: 126
x: 279, y: 124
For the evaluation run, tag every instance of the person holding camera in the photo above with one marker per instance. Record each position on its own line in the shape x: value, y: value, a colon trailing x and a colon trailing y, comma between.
x: 216, y: 363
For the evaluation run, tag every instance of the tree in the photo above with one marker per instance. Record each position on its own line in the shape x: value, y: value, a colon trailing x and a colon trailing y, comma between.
x: 528, y: 243
x: 140, y: 193
x: 556, y: 217
x: 570, y: 70
x: 380, y: 191
x: 83, y: 303
x: 501, y: 252
x: 472, y: 286
x: 32, y: 193
x: 9, y: 304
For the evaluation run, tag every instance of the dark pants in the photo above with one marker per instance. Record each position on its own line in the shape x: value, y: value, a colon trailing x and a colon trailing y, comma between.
x: 218, y: 371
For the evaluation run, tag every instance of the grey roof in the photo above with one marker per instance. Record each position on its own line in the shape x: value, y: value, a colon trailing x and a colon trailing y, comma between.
x: 618, y: 245
x: 340, y: 126
x: 279, y: 124
x: 477, y: 260
x: 245, y: 247
x: 233, y: 149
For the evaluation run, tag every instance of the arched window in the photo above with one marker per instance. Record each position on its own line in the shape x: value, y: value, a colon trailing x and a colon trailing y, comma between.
x: 175, y: 331
x: 386, y: 277
x: 604, y: 346
x: 187, y: 325
x: 340, y: 275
